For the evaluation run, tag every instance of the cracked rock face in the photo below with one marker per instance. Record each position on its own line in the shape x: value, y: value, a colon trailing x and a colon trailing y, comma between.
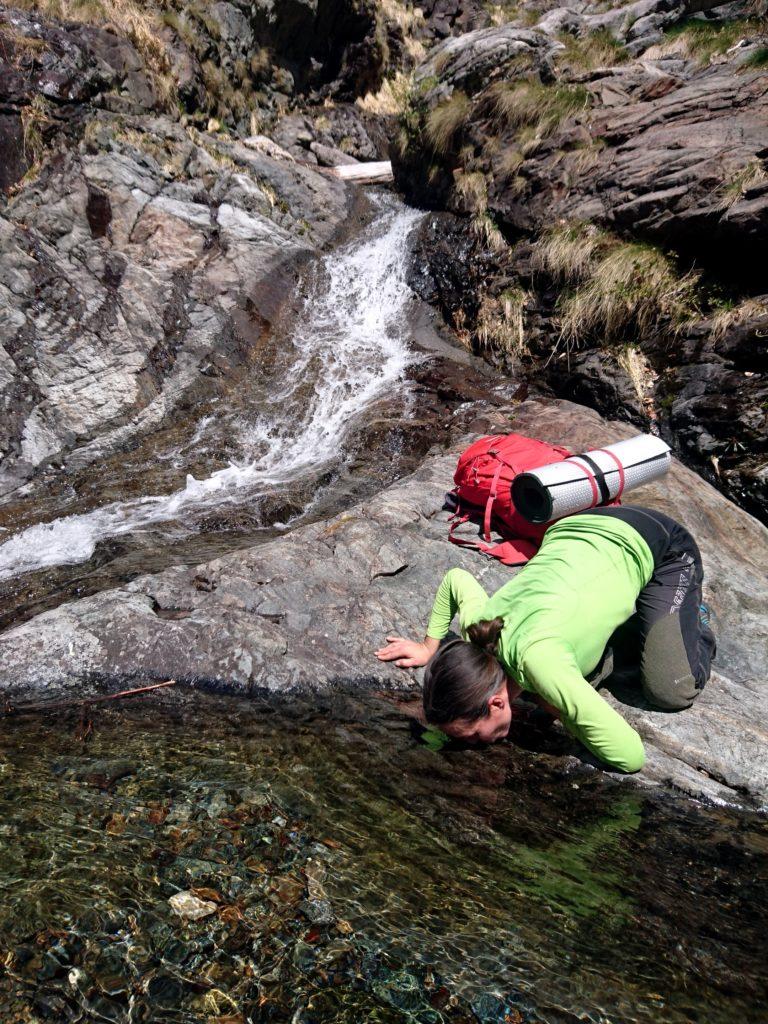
x: 660, y: 151
x: 304, y: 613
x: 126, y: 268
x: 670, y: 145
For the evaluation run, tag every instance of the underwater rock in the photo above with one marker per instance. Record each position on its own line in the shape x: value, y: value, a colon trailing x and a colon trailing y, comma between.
x: 317, y: 911
x: 190, y: 907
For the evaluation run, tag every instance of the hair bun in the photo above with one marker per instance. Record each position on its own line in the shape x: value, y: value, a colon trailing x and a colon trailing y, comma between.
x: 485, y: 634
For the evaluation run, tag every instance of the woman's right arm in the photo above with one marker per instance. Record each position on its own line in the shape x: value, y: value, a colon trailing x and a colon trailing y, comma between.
x: 459, y: 592
x: 550, y: 670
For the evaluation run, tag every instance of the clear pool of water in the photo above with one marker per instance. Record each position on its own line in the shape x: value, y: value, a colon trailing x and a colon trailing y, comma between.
x: 354, y: 875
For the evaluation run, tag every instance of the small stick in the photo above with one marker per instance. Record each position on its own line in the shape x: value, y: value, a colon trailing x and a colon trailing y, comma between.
x: 59, y: 705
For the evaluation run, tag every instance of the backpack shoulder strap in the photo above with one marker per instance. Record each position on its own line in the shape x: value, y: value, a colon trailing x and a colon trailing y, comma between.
x: 490, y: 501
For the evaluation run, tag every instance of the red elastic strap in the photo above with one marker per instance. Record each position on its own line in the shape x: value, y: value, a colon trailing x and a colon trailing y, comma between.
x: 489, y: 504
x: 592, y: 482
x: 605, y: 451
x: 456, y: 520
x: 465, y: 542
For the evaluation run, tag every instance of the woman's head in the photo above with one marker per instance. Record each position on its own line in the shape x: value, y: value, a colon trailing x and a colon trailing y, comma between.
x: 465, y: 689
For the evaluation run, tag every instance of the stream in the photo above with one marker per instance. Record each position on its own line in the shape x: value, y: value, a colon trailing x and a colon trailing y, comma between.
x: 307, y: 430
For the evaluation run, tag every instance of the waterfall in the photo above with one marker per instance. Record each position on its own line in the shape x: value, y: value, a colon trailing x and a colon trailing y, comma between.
x: 350, y: 348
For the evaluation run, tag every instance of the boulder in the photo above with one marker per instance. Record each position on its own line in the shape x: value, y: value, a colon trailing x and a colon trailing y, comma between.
x: 304, y: 613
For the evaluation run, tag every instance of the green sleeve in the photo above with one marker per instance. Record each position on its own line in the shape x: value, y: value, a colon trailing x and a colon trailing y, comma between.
x: 550, y: 670
x: 459, y: 592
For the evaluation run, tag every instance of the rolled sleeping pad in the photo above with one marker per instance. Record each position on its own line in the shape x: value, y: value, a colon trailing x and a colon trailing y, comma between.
x: 594, y: 478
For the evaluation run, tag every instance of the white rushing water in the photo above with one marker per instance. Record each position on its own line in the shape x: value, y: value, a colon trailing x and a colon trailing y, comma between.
x: 350, y: 344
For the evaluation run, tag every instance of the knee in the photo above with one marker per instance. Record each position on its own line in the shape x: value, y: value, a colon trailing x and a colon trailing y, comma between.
x: 669, y: 694
x: 668, y: 680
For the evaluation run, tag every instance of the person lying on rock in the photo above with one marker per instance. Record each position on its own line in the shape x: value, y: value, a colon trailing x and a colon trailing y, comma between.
x: 546, y: 631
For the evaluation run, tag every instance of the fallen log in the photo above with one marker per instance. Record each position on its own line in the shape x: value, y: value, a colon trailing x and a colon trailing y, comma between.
x: 364, y: 173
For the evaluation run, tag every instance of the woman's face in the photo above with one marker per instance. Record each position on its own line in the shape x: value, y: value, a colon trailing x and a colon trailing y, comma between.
x: 490, y: 728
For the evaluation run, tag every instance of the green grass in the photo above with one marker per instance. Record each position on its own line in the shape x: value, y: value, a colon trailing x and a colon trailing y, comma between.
x: 702, y: 40
x: 758, y: 58
x: 590, y: 51
x: 444, y: 123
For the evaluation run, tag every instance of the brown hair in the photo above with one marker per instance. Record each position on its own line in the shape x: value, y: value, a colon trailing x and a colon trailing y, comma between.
x: 462, y: 676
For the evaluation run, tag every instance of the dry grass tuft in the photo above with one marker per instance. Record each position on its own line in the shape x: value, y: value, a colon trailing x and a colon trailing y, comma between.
x: 633, y: 289
x: 642, y: 375
x: 391, y: 99
x: 446, y: 121
x: 134, y: 20
x: 35, y: 118
x: 730, y: 316
x: 588, y: 52
x: 501, y: 322
x: 486, y: 231
x: 585, y: 158
x: 752, y: 174
x: 538, y: 110
x: 567, y: 253
x: 619, y: 290
x: 409, y: 19
x: 472, y: 189
x: 508, y: 163
x: 502, y: 12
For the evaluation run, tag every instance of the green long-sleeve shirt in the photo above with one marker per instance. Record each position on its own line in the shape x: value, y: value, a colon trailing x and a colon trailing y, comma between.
x: 559, y: 612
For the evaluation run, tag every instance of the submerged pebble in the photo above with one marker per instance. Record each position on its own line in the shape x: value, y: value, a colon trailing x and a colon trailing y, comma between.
x: 188, y: 906
x: 317, y: 911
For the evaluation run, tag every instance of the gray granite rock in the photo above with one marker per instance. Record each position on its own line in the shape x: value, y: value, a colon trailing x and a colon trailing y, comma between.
x: 304, y: 613
x: 123, y: 270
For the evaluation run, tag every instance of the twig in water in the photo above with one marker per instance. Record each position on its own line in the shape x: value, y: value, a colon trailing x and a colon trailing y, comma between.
x: 60, y: 705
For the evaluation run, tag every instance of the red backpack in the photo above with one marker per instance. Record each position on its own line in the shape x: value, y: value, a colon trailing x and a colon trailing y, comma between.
x: 483, y: 481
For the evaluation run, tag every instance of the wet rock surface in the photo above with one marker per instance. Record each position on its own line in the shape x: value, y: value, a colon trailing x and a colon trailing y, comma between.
x: 305, y: 612
x: 441, y: 397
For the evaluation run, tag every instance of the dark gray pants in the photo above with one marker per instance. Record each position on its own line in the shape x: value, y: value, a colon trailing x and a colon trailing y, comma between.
x: 675, y: 649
